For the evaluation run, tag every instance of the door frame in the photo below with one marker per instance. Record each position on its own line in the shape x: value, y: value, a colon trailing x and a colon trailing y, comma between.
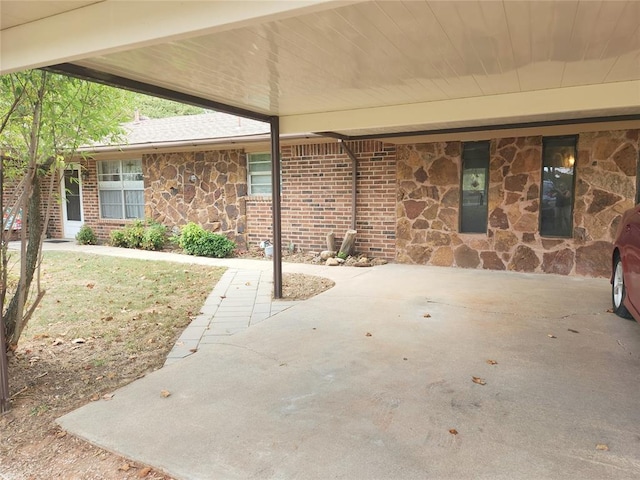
x: 70, y: 227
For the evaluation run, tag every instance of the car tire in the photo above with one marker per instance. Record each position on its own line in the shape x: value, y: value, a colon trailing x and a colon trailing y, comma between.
x: 618, y: 290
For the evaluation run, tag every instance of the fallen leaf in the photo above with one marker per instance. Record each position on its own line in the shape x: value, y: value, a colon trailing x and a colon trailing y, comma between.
x: 427, y: 315
x: 144, y: 472
x: 478, y: 380
x: 61, y: 434
x: 165, y: 393
x: 453, y: 431
x: 193, y: 350
x: 610, y: 310
x: 108, y: 319
x: 95, y: 398
x: 572, y: 330
x: 492, y: 362
x: 125, y: 468
x: 90, y: 285
x: 551, y: 336
x: 603, y: 447
x: 78, y: 340
x: 108, y: 396
x: 368, y: 335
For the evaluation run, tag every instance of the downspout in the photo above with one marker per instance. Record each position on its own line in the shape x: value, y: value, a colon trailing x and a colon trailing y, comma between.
x: 275, y: 206
x: 354, y: 182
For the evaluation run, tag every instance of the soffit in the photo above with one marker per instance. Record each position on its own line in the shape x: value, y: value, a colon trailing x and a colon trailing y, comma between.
x: 392, y: 66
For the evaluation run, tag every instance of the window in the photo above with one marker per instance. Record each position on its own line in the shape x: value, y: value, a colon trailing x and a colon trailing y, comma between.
x: 475, y: 187
x: 556, y: 196
x: 259, y: 173
x: 121, y: 189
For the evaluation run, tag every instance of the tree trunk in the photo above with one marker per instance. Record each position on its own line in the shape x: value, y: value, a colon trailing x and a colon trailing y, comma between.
x: 349, y: 242
x: 14, y: 322
x: 331, y: 242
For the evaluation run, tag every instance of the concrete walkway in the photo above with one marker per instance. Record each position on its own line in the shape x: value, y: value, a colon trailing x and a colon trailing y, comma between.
x: 240, y: 299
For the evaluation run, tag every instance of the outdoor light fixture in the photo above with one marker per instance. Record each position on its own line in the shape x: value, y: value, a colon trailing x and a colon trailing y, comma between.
x: 85, y: 174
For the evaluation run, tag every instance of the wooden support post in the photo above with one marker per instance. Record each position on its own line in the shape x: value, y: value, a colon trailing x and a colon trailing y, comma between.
x: 331, y: 242
x: 349, y: 242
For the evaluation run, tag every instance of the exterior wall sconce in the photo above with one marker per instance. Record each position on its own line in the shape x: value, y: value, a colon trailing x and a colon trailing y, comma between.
x: 85, y: 174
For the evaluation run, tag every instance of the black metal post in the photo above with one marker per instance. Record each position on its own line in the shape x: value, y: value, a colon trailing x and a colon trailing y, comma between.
x: 354, y: 182
x: 5, y: 399
x: 275, y: 207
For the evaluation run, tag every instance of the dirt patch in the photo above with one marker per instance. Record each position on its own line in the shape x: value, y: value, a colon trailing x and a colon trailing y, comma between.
x: 103, y: 323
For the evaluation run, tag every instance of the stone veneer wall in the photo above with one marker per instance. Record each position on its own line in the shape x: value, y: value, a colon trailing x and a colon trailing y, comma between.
x: 428, y: 177
x: 215, y: 199
x: 316, y: 198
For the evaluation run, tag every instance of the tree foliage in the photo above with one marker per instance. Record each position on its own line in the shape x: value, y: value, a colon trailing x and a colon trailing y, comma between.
x: 154, y: 107
x: 45, y: 118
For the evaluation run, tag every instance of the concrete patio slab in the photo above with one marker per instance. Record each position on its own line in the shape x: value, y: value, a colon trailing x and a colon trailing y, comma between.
x: 374, y: 379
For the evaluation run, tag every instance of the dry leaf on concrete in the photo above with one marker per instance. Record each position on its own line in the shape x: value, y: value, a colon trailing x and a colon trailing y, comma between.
x: 551, y: 336
x: 492, y: 362
x: 453, y: 431
x: 603, y: 447
x: 368, y: 335
x: 165, y: 393
x: 478, y: 380
x: 144, y: 472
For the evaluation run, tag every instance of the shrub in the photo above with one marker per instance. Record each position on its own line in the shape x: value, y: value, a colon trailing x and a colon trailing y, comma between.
x: 134, y: 233
x: 155, y: 237
x: 86, y: 236
x: 117, y: 238
x: 147, y: 235
x: 195, y: 240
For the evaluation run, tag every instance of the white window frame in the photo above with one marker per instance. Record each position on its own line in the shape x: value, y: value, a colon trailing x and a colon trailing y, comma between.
x: 121, y: 184
x: 258, y: 158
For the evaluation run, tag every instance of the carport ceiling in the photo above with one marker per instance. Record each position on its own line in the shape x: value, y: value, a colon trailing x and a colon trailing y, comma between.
x: 373, y: 67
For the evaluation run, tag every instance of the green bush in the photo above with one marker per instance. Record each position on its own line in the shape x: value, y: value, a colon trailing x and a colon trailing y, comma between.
x: 117, y: 238
x: 155, y: 237
x: 133, y: 234
x: 195, y: 240
x: 86, y: 236
x: 147, y: 235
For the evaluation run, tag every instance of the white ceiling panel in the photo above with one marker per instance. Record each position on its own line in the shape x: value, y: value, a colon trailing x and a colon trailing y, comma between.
x: 322, y: 60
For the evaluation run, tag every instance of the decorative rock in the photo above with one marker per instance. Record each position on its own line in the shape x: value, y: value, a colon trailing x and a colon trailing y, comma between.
x: 332, y: 262
x: 466, y: 257
x: 491, y: 261
x: 602, y: 200
x: 524, y: 260
x: 594, y: 260
x: 414, y: 208
x: 442, y: 257
x: 498, y: 219
x: 443, y: 172
x: 437, y: 239
x: 326, y: 254
x: 560, y: 262
x: 516, y: 183
x: 419, y: 254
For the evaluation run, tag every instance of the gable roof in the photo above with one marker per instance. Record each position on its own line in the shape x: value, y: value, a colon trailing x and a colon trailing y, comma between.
x: 214, y: 125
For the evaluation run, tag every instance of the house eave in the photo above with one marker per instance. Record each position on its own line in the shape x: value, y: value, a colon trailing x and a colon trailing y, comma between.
x: 249, y: 143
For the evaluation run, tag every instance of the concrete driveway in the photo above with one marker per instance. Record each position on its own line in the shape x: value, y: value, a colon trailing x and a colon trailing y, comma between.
x: 369, y: 379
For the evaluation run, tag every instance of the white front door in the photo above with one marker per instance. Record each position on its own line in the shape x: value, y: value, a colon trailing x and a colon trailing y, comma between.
x: 72, y: 202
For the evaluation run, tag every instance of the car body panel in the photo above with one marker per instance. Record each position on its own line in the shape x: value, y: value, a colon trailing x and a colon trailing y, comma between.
x: 627, y: 246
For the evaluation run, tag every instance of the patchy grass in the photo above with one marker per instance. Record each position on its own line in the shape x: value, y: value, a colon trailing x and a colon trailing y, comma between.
x: 103, y: 322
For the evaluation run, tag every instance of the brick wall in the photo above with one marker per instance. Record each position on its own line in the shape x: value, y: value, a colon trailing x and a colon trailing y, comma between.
x: 317, y: 196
